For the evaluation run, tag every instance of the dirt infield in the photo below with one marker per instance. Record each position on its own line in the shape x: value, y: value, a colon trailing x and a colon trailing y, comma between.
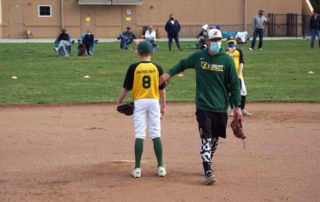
x: 85, y: 153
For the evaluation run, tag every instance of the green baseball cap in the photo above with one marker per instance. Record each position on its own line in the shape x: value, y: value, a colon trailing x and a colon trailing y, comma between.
x: 231, y: 39
x: 145, y: 47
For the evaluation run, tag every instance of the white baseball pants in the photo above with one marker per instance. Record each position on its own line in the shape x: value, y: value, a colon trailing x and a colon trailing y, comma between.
x: 147, y: 109
x: 243, y: 90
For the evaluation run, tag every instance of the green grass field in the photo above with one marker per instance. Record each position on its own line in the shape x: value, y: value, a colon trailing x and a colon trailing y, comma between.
x: 279, y: 73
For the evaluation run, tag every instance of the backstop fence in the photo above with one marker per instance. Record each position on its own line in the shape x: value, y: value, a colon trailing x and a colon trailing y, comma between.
x: 288, y: 25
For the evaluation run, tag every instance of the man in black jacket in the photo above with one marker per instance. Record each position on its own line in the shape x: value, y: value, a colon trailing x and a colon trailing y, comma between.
x: 126, y: 38
x: 88, y: 42
x: 173, y: 29
x: 62, y: 43
x: 315, y: 28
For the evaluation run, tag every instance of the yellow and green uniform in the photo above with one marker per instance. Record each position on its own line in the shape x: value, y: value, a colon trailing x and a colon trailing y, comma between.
x: 143, y: 79
x: 238, y: 58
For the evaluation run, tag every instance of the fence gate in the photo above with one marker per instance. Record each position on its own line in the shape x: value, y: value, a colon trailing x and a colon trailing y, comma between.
x: 283, y: 25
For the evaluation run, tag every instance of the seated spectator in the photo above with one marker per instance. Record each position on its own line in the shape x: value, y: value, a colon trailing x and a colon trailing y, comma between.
x: 62, y: 43
x: 150, y: 36
x: 126, y: 38
x: 202, y: 36
x: 88, y: 42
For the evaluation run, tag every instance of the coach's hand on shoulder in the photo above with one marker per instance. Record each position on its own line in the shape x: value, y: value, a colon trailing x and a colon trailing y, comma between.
x: 164, y: 78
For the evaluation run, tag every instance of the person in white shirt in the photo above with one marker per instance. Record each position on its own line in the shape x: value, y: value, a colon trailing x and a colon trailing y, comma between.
x: 150, y: 36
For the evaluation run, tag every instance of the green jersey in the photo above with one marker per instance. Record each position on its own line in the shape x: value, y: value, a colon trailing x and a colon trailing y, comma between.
x: 216, y: 76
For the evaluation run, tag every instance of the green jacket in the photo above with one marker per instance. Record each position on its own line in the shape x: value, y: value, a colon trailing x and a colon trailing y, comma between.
x: 216, y: 76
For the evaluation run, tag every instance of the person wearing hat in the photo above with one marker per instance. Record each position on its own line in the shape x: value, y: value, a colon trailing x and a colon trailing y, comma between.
x: 216, y: 76
x: 126, y: 38
x: 258, y: 27
x: 237, y: 56
x: 143, y: 79
x: 150, y: 36
x: 62, y: 43
x: 202, y: 36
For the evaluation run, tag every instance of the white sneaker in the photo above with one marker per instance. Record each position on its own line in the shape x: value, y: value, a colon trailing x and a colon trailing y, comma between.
x: 250, y: 49
x: 136, y: 172
x: 231, y: 112
x: 55, y: 49
x: 162, y: 171
x: 245, y: 113
x: 260, y: 48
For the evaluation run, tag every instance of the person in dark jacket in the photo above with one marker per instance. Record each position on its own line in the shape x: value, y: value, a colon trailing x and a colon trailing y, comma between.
x: 126, y: 38
x: 88, y: 42
x: 173, y: 29
x: 62, y: 43
x: 315, y: 28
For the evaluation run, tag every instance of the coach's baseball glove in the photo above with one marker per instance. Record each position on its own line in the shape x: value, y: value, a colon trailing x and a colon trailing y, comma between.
x: 126, y: 109
x: 236, y: 126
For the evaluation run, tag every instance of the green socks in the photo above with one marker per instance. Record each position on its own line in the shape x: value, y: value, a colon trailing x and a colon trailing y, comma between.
x: 138, y: 149
x: 157, y: 146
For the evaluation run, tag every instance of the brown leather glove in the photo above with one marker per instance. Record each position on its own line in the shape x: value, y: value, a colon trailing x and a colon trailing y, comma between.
x: 236, y: 126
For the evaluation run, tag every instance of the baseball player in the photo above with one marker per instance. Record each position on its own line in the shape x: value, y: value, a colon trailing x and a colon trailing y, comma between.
x: 215, y: 76
x: 143, y: 79
x: 237, y: 56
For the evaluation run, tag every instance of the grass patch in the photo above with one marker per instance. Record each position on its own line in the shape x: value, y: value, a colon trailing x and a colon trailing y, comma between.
x: 279, y: 73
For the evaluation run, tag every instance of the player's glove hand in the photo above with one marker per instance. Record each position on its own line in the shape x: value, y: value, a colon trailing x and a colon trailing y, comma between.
x: 126, y: 109
x: 236, y: 126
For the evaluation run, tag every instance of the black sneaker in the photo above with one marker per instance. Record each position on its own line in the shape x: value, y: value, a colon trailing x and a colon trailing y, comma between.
x: 210, y: 177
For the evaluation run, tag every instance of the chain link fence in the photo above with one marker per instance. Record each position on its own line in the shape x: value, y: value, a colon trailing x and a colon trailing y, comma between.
x: 289, y: 25
x: 280, y: 25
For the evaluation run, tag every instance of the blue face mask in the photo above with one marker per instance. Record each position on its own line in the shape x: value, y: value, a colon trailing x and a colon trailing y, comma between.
x: 231, y: 45
x: 215, y: 46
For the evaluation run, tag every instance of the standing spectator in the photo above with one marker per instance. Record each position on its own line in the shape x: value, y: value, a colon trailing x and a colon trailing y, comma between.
x: 216, y: 76
x: 62, y: 43
x: 126, y: 38
x: 88, y: 42
x: 173, y: 29
x: 315, y: 28
x: 258, y: 27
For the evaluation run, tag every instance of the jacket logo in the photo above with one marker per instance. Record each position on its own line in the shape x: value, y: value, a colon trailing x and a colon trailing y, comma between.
x: 211, y: 67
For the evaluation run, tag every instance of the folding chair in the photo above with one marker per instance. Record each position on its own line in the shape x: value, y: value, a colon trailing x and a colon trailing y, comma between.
x: 242, y: 38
